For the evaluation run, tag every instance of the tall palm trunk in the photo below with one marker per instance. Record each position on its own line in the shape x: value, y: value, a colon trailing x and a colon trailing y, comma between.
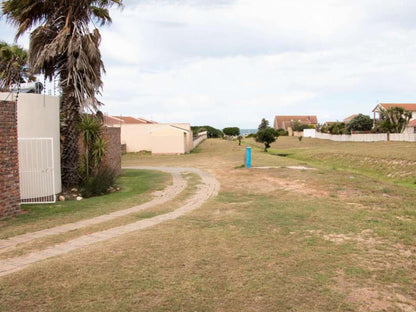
x: 70, y: 147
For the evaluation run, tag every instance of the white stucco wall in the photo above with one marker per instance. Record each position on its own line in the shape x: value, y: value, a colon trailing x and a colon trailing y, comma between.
x: 38, y: 117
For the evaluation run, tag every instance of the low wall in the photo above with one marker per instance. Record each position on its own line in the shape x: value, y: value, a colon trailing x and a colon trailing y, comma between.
x: 9, y: 161
x: 367, y: 137
x: 112, y: 157
x: 201, y: 137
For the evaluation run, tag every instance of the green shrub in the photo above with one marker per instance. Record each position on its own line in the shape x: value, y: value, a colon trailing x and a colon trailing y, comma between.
x: 212, y: 132
x: 282, y: 132
x: 99, y: 183
x: 232, y: 131
x: 251, y: 135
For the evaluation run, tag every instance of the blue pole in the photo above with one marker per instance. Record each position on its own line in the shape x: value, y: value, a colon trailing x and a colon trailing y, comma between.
x: 248, y: 157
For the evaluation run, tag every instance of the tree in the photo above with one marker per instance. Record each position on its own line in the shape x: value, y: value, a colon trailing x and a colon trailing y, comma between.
x: 233, y: 131
x: 13, y: 66
x: 266, y: 136
x: 337, y: 128
x: 360, y: 123
x: 263, y: 124
x: 395, y: 119
x: 298, y: 126
x: 91, y: 129
x: 63, y: 44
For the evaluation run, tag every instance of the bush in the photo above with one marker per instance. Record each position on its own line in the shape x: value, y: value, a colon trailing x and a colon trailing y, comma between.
x: 360, y: 123
x: 282, y: 132
x: 212, y: 132
x: 233, y: 131
x: 251, y: 135
x: 99, y: 183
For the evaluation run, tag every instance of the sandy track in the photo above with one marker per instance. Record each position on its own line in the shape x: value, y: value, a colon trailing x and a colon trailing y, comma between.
x: 208, y: 187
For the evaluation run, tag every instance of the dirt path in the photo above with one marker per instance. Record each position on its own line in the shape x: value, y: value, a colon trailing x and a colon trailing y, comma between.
x: 208, y: 187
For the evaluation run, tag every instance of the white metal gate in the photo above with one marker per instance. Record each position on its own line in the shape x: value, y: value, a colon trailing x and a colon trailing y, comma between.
x: 36, y: 171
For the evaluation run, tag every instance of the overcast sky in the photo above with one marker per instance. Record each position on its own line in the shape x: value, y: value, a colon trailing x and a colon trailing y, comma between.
x: 233, y: 62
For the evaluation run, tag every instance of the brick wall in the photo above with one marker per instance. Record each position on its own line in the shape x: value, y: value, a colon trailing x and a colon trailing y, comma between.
x: 112, y: 158
x: 9, y: 162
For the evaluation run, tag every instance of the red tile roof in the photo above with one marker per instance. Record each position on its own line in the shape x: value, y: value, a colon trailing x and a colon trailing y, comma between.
x: 111, y: 121
x: 123, y: 120
x: 283, y: 122
x: 349, y: 118
x: 407, y: 106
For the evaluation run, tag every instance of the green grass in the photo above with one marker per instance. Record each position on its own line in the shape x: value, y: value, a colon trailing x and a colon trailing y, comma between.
x: 389, y: 161
x: 135, y: 185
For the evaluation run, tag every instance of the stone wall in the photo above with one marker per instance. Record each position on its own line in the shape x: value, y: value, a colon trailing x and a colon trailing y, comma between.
x: 9, y: 161
x: 112, y: 158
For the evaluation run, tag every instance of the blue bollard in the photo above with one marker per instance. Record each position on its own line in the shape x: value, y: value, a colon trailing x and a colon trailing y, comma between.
x: 248, y: 157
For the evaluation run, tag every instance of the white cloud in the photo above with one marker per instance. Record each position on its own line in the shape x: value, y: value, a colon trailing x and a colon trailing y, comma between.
x: 233, y: 62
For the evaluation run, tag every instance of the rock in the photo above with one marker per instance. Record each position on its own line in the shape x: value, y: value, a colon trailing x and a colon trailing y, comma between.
x: 61, y: 198
x: 118, y: 189
x: 74, y: 190
x: 79, y: 197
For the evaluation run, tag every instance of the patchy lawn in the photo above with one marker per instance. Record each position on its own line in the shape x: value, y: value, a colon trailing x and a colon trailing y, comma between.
x: 136, y: 186
x: 332, y: 239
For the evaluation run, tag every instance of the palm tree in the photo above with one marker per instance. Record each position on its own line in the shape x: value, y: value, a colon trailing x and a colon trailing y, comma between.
x: 64, y: 44
x: 13, y: 66
x: 395, y: 119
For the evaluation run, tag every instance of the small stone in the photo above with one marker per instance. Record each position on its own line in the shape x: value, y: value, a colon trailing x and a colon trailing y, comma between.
x: 117, y: 189
x: 74, y: 190
x: 79, y: 197
x: 61, y: 198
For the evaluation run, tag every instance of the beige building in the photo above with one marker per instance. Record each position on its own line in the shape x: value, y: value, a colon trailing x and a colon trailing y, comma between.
x: 139, y: 134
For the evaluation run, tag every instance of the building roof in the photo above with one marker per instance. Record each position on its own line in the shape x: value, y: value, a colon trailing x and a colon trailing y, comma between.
x: 407, y: 106
x: 124, y: 120
x: 412, y: 123
x: 349, y: 118
x: 283, y: 122
x: 111, y: 121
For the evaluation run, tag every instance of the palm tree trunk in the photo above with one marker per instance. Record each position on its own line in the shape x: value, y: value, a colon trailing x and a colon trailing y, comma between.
x: 70, y: 147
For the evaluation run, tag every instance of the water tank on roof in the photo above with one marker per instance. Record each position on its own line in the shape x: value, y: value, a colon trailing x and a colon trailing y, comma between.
x: 28, y: 87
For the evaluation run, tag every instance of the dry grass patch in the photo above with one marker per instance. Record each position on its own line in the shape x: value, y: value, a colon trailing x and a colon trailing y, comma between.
x: 257, y: 246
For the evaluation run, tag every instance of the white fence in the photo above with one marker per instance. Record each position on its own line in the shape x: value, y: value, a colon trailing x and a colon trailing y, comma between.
x: 36, y: 170
x: 201, y: 136
x: 367, y: 137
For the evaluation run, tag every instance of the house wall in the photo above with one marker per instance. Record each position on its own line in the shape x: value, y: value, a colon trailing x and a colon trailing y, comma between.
x: 38, y: 117
x: 136, y: 137
x: 157, y: 138
x: 112, y: 157
x: 9, y: 168
x: 168, y: 140
x: 189, y: 136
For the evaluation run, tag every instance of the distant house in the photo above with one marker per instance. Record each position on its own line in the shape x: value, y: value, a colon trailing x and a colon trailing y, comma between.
x: 349, y: 118
x: 139, y: 134
x: 411, y: 127
x: 285, y: 122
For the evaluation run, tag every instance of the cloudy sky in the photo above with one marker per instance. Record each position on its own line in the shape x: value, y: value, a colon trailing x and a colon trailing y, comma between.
x: 233, y: 62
